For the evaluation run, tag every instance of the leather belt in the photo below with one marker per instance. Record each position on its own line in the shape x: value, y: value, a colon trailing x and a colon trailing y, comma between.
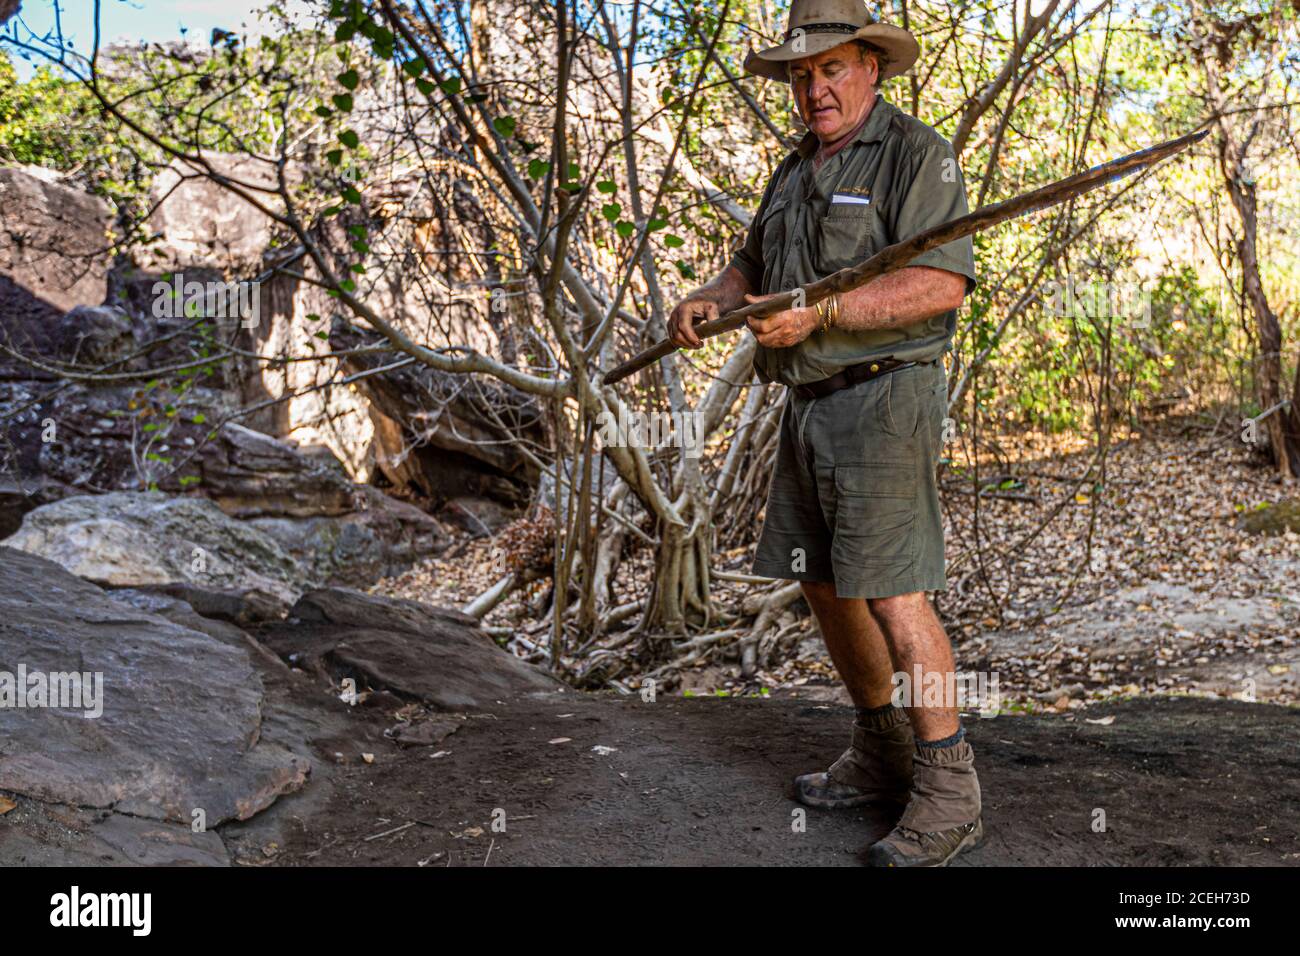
x: 853, y: 375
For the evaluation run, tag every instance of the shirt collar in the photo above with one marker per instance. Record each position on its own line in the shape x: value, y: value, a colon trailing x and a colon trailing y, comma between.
x: 873, y: 130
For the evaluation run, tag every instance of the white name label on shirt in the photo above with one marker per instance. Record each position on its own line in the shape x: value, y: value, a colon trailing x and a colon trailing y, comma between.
x: 837, y: 198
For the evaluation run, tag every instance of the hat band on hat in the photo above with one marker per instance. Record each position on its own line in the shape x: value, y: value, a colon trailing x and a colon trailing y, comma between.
x: 822, y: 28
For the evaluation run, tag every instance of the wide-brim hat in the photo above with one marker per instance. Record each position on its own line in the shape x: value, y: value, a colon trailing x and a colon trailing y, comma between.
x: 816, y: 26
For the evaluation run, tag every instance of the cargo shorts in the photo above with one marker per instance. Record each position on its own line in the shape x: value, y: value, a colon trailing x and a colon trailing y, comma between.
x: 854, y: 498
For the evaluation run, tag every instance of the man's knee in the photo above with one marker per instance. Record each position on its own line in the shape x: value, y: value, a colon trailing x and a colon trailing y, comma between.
x: 899, y: 607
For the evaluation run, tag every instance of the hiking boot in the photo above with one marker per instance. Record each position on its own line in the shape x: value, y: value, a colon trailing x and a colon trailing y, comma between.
x: 942, y: 818
x: 876, y: 769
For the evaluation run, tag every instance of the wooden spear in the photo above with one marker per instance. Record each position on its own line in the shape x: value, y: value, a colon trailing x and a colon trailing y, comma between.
x: 895, y: 257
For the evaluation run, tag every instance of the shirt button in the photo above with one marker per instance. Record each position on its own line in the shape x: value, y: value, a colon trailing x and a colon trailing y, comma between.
x: 875, y: 368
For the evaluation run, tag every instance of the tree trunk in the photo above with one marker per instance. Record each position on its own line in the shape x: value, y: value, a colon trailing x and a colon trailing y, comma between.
x: 1284, y: 423
x: 679, y: 594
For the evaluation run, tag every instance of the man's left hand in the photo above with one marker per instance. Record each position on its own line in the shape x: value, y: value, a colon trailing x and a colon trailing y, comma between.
x: 784, y: 329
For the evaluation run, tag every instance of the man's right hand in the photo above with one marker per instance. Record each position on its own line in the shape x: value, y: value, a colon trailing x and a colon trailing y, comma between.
x: 689, y: 313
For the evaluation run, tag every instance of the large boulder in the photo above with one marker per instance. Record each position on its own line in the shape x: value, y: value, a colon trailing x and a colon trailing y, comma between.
x: 202, y: 223
x: 381, y: 536
x: 444, y: 435
x: 431, y: 654
x: 249, y: 474
x: 133, y: 539
x: 179, y: 713
x: 141, y: 538
x: 53, y: 243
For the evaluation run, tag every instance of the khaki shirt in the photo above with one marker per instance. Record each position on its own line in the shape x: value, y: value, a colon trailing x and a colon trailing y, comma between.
x: 896, y: 178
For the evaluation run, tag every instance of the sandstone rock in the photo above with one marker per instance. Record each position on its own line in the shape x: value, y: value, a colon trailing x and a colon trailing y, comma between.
x: 140, y: 538
x: 180, y: 612
x: 181, y: 712
x: 249, y: 474
x: 432, y: 654
x: 423, y: 733
x: 382, y: 537
x: 41, y: 834
x: 205, y: 224
x: 1275, y: 519
x: 445, y: 435
x: 243, y: 608
x: 481, y: 517
x: 53, y: 241
x: 93, y: 336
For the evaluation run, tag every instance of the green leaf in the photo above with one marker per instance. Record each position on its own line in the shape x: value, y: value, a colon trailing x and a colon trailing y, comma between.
x: 537, y: 169
x: 335, y: 156
x: 450, y: 86
x: 323, y: 336
x: 352, y: 196
x: 674, y: 242
x: 505, y: 125
x: 349, y: 79
x: 414, y: 66
x: 425, y: 86
x: 332, y: 211
x: 361, y: 246
x: 187, y: 480
x: 606, y: 186
x: 625, y: 229
x: 324, y: 111
x: 656, y: 224
x: 349, y: 139
x: 343, y: 101
x: 347, y: 285
x: 198, y: 419
x: 344, y: 32
x: 611, y: 211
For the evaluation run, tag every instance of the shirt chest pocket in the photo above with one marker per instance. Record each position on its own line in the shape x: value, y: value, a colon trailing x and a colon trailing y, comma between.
x: 846, y: 235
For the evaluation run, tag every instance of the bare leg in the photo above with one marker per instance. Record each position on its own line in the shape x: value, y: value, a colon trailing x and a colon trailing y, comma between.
x: 915, y: 637
x: 855, y: 642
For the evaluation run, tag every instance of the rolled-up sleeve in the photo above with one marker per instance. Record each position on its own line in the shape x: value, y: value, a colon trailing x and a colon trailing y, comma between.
x: 748, y: 259
x: 936, y: 194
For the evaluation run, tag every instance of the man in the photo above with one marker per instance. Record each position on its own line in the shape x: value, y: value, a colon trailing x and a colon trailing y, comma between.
x: 853, y: 511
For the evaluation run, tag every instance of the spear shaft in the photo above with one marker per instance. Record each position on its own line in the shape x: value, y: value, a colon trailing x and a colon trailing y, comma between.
x: 895, y: 257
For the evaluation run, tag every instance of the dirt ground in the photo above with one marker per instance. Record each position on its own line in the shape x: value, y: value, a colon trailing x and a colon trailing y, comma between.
x: 602, y: 779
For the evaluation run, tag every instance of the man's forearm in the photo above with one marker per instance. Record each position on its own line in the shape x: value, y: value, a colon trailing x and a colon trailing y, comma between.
x: 910, y: 295
x: 728, y: 289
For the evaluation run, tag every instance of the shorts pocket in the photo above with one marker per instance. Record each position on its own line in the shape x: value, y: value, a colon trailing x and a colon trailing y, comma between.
x: 878, y: 479
x: 901, y: 404
x: 875, y: 516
